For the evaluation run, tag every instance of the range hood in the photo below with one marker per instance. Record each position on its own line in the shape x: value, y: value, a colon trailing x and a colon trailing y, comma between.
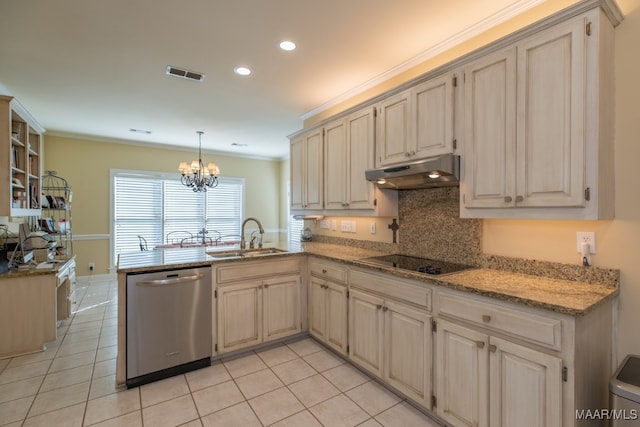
x: 440, y: 171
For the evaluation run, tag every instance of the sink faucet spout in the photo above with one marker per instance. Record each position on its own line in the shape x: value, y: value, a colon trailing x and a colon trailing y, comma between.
x: 243, y: 243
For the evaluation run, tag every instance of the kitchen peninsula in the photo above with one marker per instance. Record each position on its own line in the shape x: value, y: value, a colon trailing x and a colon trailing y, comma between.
x: 511, y: 324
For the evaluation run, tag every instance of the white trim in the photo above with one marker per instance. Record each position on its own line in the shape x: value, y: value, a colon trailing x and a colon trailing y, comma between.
x: 172, y: 147
x: 497, y: 18
x: 80, y: 237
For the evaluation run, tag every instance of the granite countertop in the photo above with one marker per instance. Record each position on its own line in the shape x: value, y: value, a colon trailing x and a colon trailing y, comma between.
x: 57, y: 265
x: 563, y: 296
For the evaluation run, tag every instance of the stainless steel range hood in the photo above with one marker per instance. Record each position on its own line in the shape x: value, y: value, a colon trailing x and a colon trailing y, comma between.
x: 441, y: 171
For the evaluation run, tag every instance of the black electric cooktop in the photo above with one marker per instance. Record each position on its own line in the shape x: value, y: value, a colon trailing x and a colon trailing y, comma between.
x: 420, y: 265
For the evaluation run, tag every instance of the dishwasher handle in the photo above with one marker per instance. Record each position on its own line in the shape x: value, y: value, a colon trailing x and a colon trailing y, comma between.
x: 172, y: 281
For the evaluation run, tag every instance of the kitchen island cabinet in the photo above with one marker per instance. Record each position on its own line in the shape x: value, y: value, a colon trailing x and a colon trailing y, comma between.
x: 32, y: 304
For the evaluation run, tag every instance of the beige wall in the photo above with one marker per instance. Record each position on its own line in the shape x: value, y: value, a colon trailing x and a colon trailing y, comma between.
x: 556, y: 240
x: 86, y: 166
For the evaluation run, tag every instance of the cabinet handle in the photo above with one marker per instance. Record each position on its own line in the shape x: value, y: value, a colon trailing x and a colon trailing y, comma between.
x: 378, y: 307
x: 519, y: 198
x: 324, y: 271
x: 480, y: 344
x: 492, y: 348
x: 486, y: 318
x: 507, y: 199
x: 385, y: 309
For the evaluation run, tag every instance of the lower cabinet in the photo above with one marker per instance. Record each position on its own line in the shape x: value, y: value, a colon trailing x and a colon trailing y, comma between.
x: 257, y: 312
x: 256, y: 305
x: 328, y: 313
x: 483, y: 380
x: 393, y: 341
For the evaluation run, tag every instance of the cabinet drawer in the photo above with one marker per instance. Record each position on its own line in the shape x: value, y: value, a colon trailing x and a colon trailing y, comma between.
x: 257, y: 269
x: 531, y: 327
x: 329, y: 271
x: 396, y: 288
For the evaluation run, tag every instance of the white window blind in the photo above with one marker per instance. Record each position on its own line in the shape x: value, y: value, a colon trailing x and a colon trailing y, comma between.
x: 154, y: 205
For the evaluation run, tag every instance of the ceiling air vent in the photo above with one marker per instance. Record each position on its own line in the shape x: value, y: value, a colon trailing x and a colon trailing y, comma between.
x: 185, y: 74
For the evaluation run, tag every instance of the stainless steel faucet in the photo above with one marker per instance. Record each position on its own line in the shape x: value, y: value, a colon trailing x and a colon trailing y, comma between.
x: 243, y: 243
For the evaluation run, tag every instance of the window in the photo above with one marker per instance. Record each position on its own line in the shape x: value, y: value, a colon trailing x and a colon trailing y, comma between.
x: 155, y: 206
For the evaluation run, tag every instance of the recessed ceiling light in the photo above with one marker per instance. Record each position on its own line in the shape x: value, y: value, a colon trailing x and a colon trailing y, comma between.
x: 146, y: 132
x: 287, y: 45
x: 242, y: 71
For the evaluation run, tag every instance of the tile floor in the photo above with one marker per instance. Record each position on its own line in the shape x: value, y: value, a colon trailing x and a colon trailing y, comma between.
x: 297, y: 384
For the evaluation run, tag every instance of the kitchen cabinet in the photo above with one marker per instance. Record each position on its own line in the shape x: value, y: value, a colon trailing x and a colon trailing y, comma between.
x: 348, y: 152
x: 502, y: 364
x: 487, y: 381
x: 20, y: 157
x: 539, y: 141
x: 306, y: 170
x: 328, y: 304
x: 388, y: 336
x: 417, y: 123
x: 257, y: 302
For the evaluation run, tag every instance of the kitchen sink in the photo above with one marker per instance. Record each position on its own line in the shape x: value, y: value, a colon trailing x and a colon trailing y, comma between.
x: 245, y: 253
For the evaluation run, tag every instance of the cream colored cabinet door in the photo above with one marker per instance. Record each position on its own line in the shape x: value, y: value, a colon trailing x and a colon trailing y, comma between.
x: 336, y: 317
x: 336, y: 155
x: 361, y: 144
x: 393, y: 130
x: 432, y: 115
x: 490, y: 131
x: 550, y: 168
x: 525, y: 386
x: 298, y: 168
x: 240, y: 316
x: 281, y: 307
x: 317, y: 308
x: 462, y: 382
x: 366, y: 329
x: 306, y: 170
x: 408, y: 350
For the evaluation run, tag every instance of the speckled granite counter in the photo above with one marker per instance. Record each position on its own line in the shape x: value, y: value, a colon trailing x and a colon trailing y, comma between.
x: 560, y: 295
x: 57, y: 265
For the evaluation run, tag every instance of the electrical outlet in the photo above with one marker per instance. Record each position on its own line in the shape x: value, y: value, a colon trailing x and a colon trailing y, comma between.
x: 324, y: 223
x: 334, y: 224
x: 348, y: 226
x: 586, y: 237
x: 92, y: 266
x: 372, y: 228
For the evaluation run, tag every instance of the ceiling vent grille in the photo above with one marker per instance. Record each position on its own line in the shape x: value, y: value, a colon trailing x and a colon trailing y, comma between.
x: 185, y: 74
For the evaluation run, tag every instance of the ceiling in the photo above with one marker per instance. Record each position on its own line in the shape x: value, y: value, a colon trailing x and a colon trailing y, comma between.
x: 96, y: 69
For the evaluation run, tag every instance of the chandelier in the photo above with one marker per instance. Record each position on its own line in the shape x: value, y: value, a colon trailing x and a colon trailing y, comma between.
x: 196, y: 176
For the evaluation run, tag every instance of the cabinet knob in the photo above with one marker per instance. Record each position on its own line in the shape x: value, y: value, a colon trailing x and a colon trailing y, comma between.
x: 324, y: 271
x: 492, y: 348
x: 519, y: 198
x: 266, y: 286
x: 486, y: 318
x: 378, y: 307
x: 480, y: 344
x: 385, y: 309
x: 507, y: 199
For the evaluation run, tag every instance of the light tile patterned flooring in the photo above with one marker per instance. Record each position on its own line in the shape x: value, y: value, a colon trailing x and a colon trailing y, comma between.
x: 299, y: 384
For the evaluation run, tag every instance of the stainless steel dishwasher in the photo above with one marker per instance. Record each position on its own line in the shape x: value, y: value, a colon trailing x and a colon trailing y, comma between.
x: 168, y: 323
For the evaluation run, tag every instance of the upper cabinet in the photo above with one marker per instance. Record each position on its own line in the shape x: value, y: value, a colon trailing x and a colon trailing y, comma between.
x: 306, y: 170
x: 417, y: 123
x: 331, y: 160
x: 348, y: 152
x: 538, y: 128
x: 20, y: 159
